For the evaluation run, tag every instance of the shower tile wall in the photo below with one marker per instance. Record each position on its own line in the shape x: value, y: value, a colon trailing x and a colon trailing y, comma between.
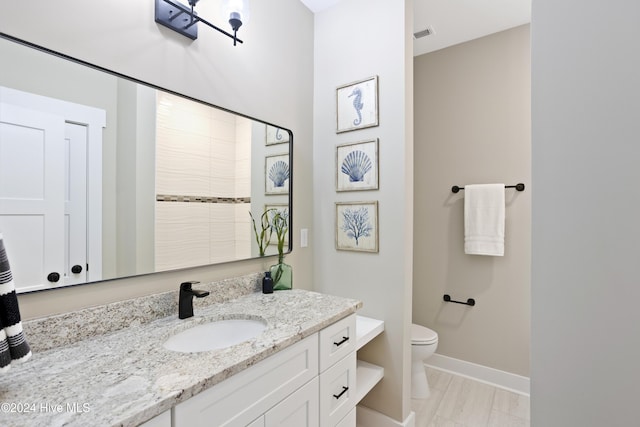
x: 202, y: 156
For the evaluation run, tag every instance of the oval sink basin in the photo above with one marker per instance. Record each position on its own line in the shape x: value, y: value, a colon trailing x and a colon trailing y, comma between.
x: 215, y: 335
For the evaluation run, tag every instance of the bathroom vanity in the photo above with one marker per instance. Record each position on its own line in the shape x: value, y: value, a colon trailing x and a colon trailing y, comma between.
x: 309, y: 382
x: 301, y: 370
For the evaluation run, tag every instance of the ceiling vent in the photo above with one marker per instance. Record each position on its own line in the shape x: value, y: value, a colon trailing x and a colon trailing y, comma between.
x: 424, y: 33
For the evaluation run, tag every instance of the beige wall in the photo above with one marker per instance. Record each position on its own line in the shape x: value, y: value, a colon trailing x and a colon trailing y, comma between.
x: 269, y: 77
x: 354, y: 40
x: 472, y: 125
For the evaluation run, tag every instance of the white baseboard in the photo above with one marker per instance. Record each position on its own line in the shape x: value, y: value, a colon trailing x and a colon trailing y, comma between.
x: 506, y: 380
x: 366, y: 417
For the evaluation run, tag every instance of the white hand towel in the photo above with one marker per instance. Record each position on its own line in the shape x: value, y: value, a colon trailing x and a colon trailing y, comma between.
x: 484, y: 219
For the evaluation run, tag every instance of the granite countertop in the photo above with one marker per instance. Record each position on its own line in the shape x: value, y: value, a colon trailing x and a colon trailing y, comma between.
x: 127, y: 377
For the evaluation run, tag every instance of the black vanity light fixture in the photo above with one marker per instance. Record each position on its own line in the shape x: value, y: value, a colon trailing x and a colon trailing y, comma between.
x: 184, y: 19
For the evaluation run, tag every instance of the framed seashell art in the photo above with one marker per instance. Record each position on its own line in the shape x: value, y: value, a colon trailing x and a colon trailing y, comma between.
x: 357, y: 105
x: 357, y: 166
x: 276, y: 178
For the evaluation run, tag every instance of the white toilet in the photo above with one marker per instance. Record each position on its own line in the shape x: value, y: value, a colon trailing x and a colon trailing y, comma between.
x: 424, y: 342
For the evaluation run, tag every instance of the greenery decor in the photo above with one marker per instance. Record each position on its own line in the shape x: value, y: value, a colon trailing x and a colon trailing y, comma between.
x: 281, y: 273
x: 280, y: 225
x: 264, y: 236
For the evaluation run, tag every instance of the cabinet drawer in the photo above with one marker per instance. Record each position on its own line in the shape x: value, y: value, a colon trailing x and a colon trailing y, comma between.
x: 336, y: 341
x: 338, y: 391
x: 245, y: 396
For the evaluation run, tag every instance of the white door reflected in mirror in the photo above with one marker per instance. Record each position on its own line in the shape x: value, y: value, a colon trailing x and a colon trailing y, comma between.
x: 43, y: 190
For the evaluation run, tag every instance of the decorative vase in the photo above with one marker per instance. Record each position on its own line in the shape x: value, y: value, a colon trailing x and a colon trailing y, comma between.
x: 282, y: 275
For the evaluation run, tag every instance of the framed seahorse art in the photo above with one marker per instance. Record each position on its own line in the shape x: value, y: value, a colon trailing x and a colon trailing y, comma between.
x: 357, y: 105
x: 275, y: 135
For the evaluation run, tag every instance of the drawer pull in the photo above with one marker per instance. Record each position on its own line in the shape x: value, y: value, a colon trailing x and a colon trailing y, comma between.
x: 344, y: 340
x: 344, y: 390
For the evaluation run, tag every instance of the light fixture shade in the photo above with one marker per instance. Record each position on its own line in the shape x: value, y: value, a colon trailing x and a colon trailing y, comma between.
x: 236, y: 9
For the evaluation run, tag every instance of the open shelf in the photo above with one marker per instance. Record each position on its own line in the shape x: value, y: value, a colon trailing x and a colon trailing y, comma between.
x: 367, y: 329
x: 367, y: 376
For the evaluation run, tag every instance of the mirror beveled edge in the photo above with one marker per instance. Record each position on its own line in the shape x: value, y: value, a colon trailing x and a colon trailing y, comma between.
x: 289, y: 241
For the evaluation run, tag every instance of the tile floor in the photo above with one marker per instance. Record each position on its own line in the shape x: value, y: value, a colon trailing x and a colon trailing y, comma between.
x: 460, y: 402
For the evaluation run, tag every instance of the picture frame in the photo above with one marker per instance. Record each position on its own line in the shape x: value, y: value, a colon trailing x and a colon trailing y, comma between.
x: 282, y: 208
x: 275, y: 135
x: 357, y: 166
x: 276, y: 174
x: 357, y: 226
x: 357, y: 105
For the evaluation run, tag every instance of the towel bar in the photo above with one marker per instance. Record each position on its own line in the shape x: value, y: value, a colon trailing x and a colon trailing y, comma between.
x: 518, y: 187
x: 470, y: 301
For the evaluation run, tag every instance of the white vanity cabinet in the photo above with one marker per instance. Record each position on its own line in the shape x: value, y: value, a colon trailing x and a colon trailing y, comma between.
x: 248, y: 395
x: 309, y: 384
x: 337, y: 371
x: 316, y: 382
x: 299, y: 409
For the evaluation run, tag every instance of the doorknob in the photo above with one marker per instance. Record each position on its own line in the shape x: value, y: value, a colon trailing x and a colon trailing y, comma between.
x: 53, y: 277
x: 76, y: 269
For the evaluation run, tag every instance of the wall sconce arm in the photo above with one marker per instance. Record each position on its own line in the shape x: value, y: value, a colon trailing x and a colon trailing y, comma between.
x: 168, y: 12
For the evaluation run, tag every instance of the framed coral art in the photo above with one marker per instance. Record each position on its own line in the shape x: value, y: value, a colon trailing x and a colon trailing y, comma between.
x: 357, y: 166
x: 276, y: 171
x: 357, y: 105
x: 275, y: 135
x: 357, y: 226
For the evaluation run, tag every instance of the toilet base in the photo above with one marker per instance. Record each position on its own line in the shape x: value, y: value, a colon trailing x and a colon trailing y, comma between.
x: 419, y: 385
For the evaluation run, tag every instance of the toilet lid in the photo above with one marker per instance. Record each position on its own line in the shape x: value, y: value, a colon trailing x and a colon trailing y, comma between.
x: 422, y: 335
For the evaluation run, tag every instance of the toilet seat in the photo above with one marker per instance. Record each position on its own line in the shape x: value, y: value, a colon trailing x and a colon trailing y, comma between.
x: 422, y: 336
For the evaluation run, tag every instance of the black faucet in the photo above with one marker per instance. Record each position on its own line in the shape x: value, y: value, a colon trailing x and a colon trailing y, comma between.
x: 185, y: 301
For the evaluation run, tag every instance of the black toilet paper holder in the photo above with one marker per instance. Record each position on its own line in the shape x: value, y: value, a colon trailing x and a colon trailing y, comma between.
x: 470, y: 301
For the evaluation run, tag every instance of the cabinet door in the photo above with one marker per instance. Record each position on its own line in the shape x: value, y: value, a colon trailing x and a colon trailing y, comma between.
x: 245, y: 396
x: 301, y: 409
